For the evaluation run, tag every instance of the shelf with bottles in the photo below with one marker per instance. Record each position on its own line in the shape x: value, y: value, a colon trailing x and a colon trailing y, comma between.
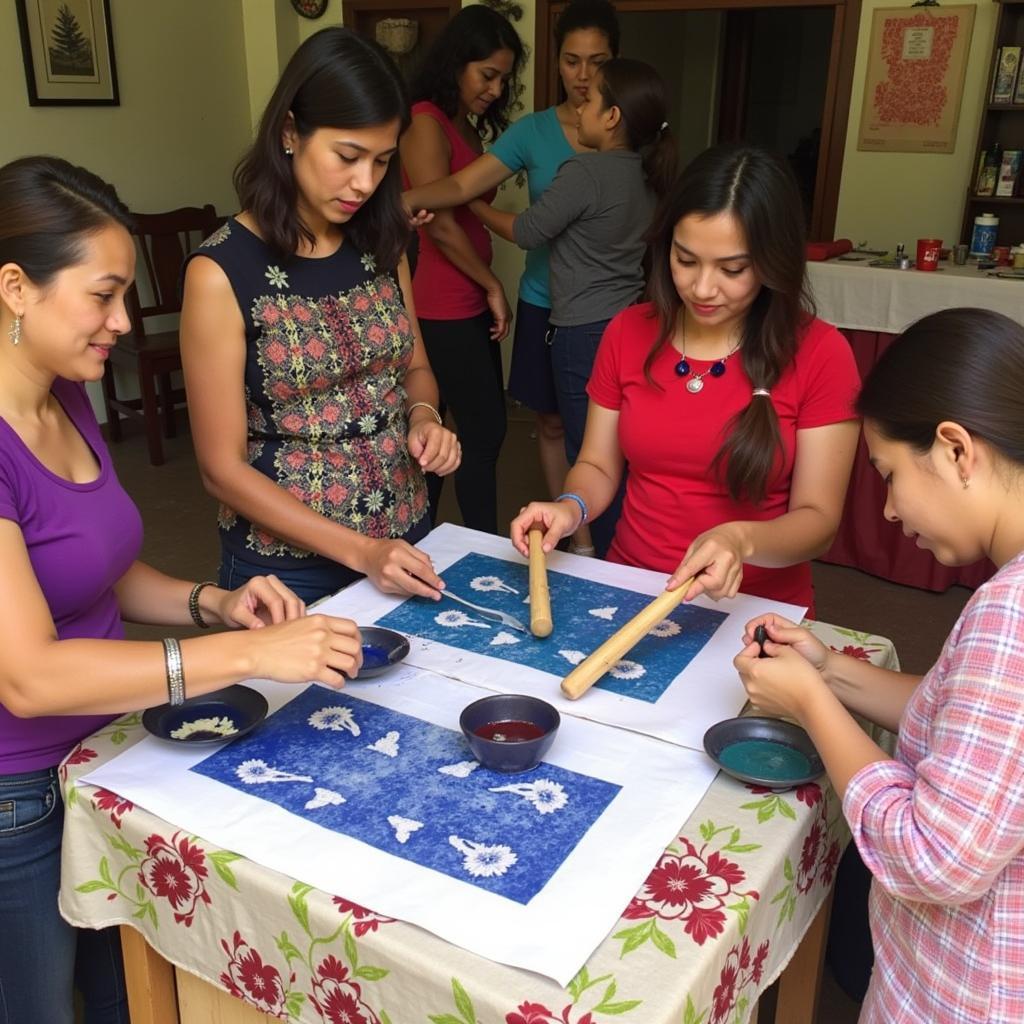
x: 1001, y: 200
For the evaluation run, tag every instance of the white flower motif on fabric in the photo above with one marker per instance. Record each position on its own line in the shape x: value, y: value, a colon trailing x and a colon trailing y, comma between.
x: 256, y: 772
x: 491, y: 583
x: 387, y: 745
x: 603, y: 613
x: 460, y: 770
x: 503, y: 639
x: 277, y: 277
x: 217, y: 725
x: 368, y: 262
x: 404, y: 827
x: 456, y: 619
x: 324, y: 798
x: 481, y: 860
x: 526, y: 600
x: 335, y: 718
x: 627, y: 670
x: 573, y: 657
x: 665, y: 628
x: 545, y: 795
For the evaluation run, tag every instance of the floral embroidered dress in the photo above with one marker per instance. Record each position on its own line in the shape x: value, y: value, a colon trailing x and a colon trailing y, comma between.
x: 328, y: 342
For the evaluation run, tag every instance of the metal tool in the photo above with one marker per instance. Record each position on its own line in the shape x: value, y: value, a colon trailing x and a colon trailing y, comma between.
x: 489, y: 613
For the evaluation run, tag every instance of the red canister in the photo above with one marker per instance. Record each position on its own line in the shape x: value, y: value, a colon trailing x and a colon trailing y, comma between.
x: 1001, y: 254
x: 928, y: 250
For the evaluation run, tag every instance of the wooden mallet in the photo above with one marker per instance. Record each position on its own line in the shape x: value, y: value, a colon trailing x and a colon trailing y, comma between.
x: 588, y: 671
x: 540, y: 598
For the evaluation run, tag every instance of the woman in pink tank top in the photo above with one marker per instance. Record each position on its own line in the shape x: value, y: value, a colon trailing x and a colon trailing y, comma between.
x: 460, y: 100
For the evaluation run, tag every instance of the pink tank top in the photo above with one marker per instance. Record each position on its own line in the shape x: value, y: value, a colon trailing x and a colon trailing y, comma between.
x: 441, y: 291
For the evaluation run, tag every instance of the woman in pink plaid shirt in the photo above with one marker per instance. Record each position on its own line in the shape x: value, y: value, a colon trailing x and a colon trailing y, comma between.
x: 940, y: 825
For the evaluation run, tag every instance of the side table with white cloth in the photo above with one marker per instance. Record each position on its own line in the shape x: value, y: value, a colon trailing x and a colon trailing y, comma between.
x: 739, y: 896
x: 871, y: 305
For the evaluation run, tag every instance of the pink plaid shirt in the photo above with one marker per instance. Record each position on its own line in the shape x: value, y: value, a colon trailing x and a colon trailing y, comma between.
x: 941, y: 829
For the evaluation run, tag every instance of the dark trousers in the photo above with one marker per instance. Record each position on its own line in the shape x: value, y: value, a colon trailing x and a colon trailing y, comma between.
x: 467, y: 365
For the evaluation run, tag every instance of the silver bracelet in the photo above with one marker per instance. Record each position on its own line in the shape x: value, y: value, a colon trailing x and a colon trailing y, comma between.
x: 175, y: 675
x: 425, y: 405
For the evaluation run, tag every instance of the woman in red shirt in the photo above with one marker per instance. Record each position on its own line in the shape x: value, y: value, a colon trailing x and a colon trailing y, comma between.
x: 461, y: 96
x: 731, y: 403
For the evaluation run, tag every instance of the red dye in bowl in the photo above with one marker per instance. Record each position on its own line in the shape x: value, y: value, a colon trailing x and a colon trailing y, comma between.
x: 509, y: 732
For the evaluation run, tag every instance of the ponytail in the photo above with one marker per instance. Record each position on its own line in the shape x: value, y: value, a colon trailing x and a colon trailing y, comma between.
x: 660, y: 160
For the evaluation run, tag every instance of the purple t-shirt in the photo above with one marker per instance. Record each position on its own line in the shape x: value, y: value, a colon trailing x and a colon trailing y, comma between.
x: 81, y: 539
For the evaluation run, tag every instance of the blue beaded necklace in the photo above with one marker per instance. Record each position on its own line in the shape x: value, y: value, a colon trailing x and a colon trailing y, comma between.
x: 696, y: 382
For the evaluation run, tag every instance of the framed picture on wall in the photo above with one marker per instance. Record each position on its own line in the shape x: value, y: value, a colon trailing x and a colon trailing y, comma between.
x: 917, y: 60
x: 68, y: 49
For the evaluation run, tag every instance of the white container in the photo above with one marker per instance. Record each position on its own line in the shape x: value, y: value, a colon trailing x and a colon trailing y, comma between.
x: 983, y: 240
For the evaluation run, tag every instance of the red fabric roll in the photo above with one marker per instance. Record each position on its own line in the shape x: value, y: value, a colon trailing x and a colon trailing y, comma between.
x: 828, y: 250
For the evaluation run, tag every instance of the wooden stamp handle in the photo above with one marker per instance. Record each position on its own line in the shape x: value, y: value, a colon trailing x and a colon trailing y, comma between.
x: 541, y: 623
x: 588, y: 671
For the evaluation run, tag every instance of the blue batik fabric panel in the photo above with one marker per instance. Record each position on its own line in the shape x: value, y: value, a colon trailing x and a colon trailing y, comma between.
x: 413, y: 789
x: 585, y: 614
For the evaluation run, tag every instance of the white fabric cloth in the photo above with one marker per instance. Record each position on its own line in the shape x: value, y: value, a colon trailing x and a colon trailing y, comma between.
x: 860, y: 297
x: 704, y: 692
x: 661, y: 785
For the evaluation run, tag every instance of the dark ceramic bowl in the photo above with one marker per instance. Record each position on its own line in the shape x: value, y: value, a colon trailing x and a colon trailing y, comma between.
x: 509, y: 755
x: 213, y: 718
x: 765, y: 751
x: 382, y: 648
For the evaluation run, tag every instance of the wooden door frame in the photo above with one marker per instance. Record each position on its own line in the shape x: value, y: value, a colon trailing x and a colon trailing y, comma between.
x: 838, y: 90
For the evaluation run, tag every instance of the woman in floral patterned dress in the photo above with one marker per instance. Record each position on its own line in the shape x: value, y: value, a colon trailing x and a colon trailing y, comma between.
x: 313, y: 406
x: 941, y: 824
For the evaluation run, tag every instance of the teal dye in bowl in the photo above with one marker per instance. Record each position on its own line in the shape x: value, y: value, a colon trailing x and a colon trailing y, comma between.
x: 766, y: 760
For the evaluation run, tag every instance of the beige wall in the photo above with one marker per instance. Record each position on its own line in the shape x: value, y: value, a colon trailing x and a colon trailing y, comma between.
x: 888, y: 198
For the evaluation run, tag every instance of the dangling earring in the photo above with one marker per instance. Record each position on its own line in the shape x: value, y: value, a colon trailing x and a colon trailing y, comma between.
x: 15, y: 331
x: 964, y: 481
x: 288, y: 151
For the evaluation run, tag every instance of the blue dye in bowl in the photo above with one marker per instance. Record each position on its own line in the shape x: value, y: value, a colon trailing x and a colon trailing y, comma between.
x: 374, y: 657
x: 765, y: 759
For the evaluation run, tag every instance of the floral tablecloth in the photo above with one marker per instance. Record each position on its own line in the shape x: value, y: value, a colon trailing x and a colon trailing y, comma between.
x: 716, y: 921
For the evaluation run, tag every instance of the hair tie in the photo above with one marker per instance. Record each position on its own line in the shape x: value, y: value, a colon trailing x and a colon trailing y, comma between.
x: 762, y: 391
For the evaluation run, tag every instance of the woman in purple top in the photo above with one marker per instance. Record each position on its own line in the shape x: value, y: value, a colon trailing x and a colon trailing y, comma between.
x: 69, y: 541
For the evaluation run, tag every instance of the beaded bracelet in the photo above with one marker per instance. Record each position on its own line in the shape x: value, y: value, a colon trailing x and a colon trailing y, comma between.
x: 175, y: 675
x: 570, y: 496
x: 425, y: 405
x: 193, y: 603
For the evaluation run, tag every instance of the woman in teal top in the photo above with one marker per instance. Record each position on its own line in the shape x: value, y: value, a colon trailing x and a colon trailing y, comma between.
x: 586, y: 35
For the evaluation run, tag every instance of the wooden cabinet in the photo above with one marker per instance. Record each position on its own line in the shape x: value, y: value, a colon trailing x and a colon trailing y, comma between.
x: 1002, y: 123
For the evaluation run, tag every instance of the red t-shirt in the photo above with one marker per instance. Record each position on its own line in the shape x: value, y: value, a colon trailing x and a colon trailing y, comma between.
x: 441, y: 291
x: 669, y: 437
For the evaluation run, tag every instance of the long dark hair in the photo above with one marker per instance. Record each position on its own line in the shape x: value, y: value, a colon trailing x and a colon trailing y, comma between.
x: 48, y: 207
x: 473, y: 34
x: 964, y: 365
x: 639, y: 92
x: 583, y: 14
x: 759, y: 190
x: 335, y: 79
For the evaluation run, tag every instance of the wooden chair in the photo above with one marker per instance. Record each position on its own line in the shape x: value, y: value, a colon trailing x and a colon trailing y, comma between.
x: 162, y: 240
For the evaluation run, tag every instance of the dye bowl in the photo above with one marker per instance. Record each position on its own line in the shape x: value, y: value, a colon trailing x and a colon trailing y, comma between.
x: 765, y: 751
x: 382, y: 648
x: 509, y: 755
x: 213, y: 718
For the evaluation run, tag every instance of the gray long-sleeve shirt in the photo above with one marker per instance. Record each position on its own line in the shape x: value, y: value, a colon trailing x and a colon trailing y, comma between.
x: 595, y: 216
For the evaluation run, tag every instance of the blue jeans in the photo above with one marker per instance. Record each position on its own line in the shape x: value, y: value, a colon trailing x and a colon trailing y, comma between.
x: 310, y: 582
x: 42, y: 957
x: 573, y: 350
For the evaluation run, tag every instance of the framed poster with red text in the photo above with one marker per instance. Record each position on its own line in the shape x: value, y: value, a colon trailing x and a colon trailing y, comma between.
x: 917, y: 61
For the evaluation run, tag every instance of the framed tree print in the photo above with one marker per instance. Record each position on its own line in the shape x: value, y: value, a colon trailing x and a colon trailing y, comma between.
x: 917, y: 60
x: 68, y: 49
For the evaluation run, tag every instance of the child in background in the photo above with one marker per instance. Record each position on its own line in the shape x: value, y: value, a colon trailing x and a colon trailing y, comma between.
x: 941, y: 824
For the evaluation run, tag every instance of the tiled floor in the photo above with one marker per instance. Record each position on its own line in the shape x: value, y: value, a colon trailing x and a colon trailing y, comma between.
x: 181, y: 539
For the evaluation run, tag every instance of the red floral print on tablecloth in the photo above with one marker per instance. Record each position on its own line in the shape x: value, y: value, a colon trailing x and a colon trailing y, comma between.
x: 118, y: 807
x: 175, y: 870
x: 365, y: 920
x: 337, y: 998
x: 739, y: 971
x: 538, y: 1013
x: 819, y: 855
x: 80, y: 755
x: 853, y: 651
x: 809, y: 794
x: 249, y: 978
x: 691, y: 888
